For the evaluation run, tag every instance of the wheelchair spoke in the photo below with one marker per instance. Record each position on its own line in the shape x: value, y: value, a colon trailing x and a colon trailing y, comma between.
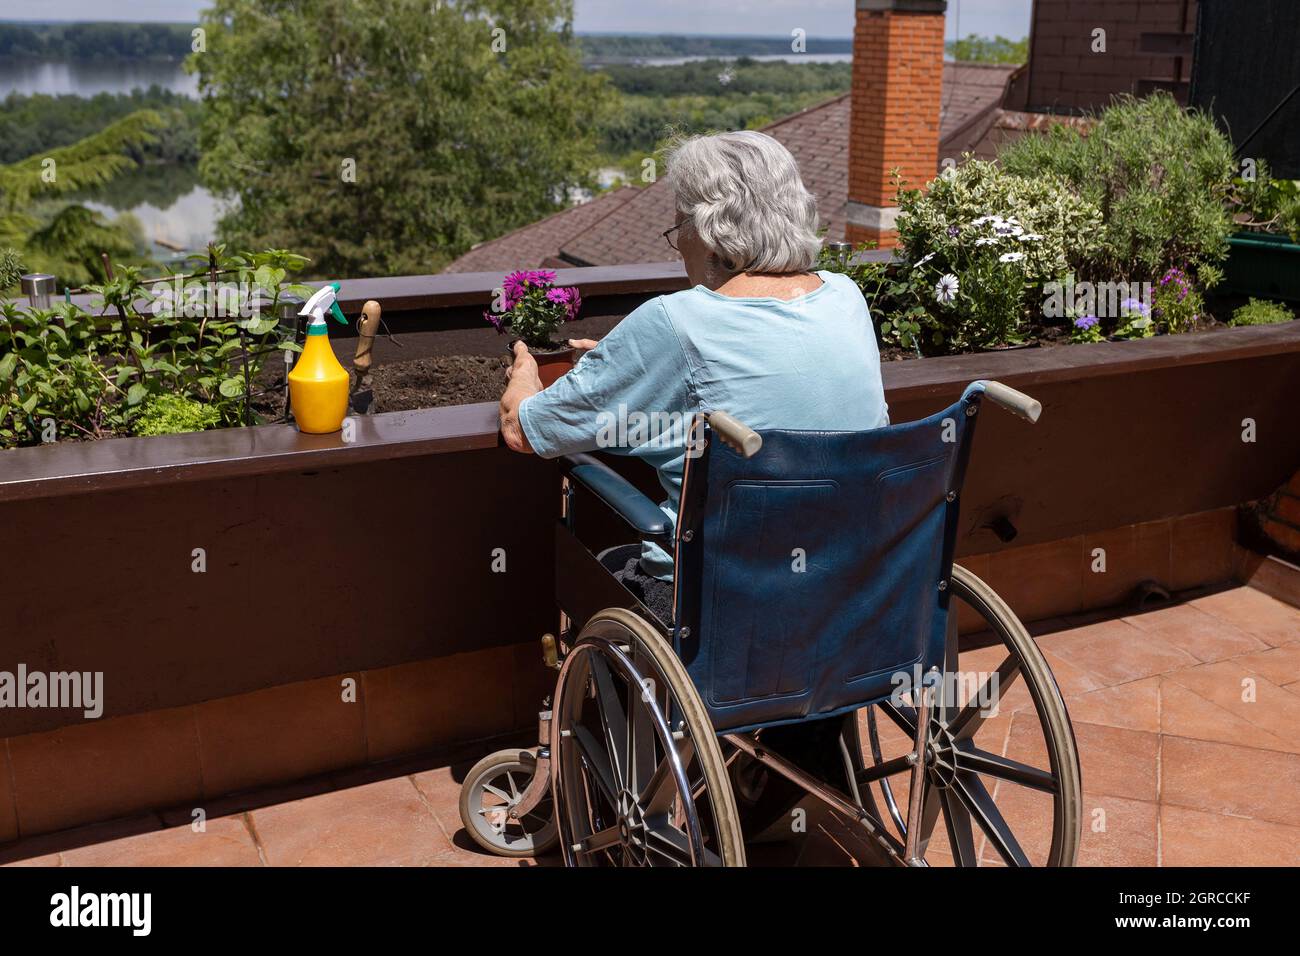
x: 598, y: 760
x: 673, y: 845
x: 1004, y: 768
x: 599, y: 841
x: 641, y: 738
x: 979, y: 802
x: 957, y: 819
x: 968, y: 722
x: 660, y: 790
x: 902, y: 715
x: 929, y: 815
x: 613, y: 718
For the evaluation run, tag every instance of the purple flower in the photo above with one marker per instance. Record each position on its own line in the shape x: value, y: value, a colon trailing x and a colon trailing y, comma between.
x: 1176, y: 276
x: 1129, y: 306
x: 952, y: 232
x: 567, y: 297
x: 497, y: 321
x: 1085, y: 322
x: 516, y: 284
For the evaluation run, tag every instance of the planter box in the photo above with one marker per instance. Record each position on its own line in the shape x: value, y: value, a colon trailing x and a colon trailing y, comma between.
x: 1263, y: 265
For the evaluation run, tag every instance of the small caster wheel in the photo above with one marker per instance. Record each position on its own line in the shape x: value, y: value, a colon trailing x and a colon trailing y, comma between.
x: 491, y: 788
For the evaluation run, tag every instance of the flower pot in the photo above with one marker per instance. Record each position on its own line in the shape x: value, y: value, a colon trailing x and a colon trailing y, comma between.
x: 552, y: 364
x: 1262, y: 264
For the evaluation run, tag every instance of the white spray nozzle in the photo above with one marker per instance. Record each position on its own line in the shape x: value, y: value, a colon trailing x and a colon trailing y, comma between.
x: 323, y: 299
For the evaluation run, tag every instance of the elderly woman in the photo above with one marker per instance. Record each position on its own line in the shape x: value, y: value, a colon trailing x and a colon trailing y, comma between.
x: 759, y: 334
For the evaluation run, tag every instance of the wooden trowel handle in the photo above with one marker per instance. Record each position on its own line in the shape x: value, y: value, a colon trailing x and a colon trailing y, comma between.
x: 366, y: 329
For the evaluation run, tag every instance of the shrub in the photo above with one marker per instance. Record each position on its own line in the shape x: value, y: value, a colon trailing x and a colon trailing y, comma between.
x: 1160, y: 176
x: 1261, y: 312
x: 173, y: 414
x: 1265, y: 204
x: 976, y: 248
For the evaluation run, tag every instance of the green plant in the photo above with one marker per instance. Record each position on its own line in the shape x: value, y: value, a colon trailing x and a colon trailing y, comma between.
x: 71, y: 371
x: 1160, y: 176
x: 1261, y: 312
x: 11, y: 268
x: 173, y: 414
x: 533, y: 308
x: 976, y: 248
x: 1265, y: 204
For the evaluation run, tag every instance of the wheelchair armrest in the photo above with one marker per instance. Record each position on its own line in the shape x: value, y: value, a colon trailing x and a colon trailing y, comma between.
x: 619, y: 494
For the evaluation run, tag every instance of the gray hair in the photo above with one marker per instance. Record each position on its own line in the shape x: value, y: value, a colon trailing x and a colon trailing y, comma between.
x: 746, y: 200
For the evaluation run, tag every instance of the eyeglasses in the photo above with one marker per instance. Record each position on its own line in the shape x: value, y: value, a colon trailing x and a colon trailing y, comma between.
x: 667, y: 233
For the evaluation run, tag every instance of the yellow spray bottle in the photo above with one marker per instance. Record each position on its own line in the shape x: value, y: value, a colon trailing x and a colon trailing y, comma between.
x: 318, y: 384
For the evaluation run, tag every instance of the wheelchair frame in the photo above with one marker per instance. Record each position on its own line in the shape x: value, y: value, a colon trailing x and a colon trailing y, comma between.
x: 586, y: 591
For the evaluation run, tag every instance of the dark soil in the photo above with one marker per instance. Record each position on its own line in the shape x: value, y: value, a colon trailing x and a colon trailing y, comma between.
x: 434, y: 382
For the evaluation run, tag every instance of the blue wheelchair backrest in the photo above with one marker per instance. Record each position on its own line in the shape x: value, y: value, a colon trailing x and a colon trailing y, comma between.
x: 812, y: 574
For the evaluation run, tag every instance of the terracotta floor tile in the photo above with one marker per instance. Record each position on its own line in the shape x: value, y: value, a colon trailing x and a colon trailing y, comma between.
x: 1115, y: 762
x: 1205, y: 637
x: 1131, y: 706
x: 224, y: 842
x: 1280, y: 665
x: 1254, y: 611
x: 51, y: 845
x: 380, y: 824
x: 1195, y: 838
x: 1116, y: 652
x: 1222, y: 778
x: 1226, y: 682
x: 1184, y: 713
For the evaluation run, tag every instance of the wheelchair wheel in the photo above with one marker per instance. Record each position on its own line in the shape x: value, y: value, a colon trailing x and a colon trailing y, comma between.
x: 996, y: 808
x: 638, y: 776
x: 491, y: 788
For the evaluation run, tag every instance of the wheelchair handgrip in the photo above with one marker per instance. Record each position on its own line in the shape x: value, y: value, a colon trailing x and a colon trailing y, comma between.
x: 735, y: 434
x: 1018, y: 403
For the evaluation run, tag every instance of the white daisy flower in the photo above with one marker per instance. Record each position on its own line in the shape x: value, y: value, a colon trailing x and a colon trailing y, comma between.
x: 1030, y: 237
x: 986, y: 241
x: 945, y: 290
x: 1011, y: 257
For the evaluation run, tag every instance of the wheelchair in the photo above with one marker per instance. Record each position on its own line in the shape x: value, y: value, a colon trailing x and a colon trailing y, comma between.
x: 815, y: 601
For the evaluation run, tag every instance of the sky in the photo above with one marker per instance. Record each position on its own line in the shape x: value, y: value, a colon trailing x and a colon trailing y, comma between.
x: 819, y: 18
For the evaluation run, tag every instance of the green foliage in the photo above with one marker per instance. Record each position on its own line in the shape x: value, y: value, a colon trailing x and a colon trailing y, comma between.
x: 976, y: 248
x: 999, y: 49
x: 1261, y: 312
x: 173, y: 414
x: 1160, y: 176
x: 92, y: 372
x: 1265, y: 204
x: 11, y: 268
x: 89, y: 162
x: 452, y: 142
x: 41, y: 122
x: 613, y: 47
x: 95, y: 41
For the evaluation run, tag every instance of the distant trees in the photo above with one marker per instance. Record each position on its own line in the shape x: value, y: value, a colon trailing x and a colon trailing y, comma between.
x: 36, y: 122
x: 999, y: 49
x: 388, y: 136
x: 95, y: 41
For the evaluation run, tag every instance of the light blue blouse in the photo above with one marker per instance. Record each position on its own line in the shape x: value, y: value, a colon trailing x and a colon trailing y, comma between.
x: 805, y: 363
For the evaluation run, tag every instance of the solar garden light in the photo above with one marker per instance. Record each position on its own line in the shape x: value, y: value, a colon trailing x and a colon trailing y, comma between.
x: 38, y: 287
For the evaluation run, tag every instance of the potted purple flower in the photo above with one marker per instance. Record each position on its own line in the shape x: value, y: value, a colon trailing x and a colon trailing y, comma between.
x: 534, y: 308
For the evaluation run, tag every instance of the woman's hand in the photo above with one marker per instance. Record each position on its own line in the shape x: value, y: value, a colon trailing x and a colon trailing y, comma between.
x: 582, y: 346
x: 521, y: 382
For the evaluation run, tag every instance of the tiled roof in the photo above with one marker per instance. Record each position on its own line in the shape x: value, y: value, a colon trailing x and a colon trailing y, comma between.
x: 538, y: 245
x: 624, y: 226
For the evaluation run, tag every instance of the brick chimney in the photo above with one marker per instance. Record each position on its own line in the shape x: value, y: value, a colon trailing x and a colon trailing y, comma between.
x: 897, y: 83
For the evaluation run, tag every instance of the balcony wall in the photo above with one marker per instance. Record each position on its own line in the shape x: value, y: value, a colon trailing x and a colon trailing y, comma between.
x: 349, y: 611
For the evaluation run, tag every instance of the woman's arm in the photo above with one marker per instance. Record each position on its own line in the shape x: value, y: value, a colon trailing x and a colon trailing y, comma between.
x: 523, y: 383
